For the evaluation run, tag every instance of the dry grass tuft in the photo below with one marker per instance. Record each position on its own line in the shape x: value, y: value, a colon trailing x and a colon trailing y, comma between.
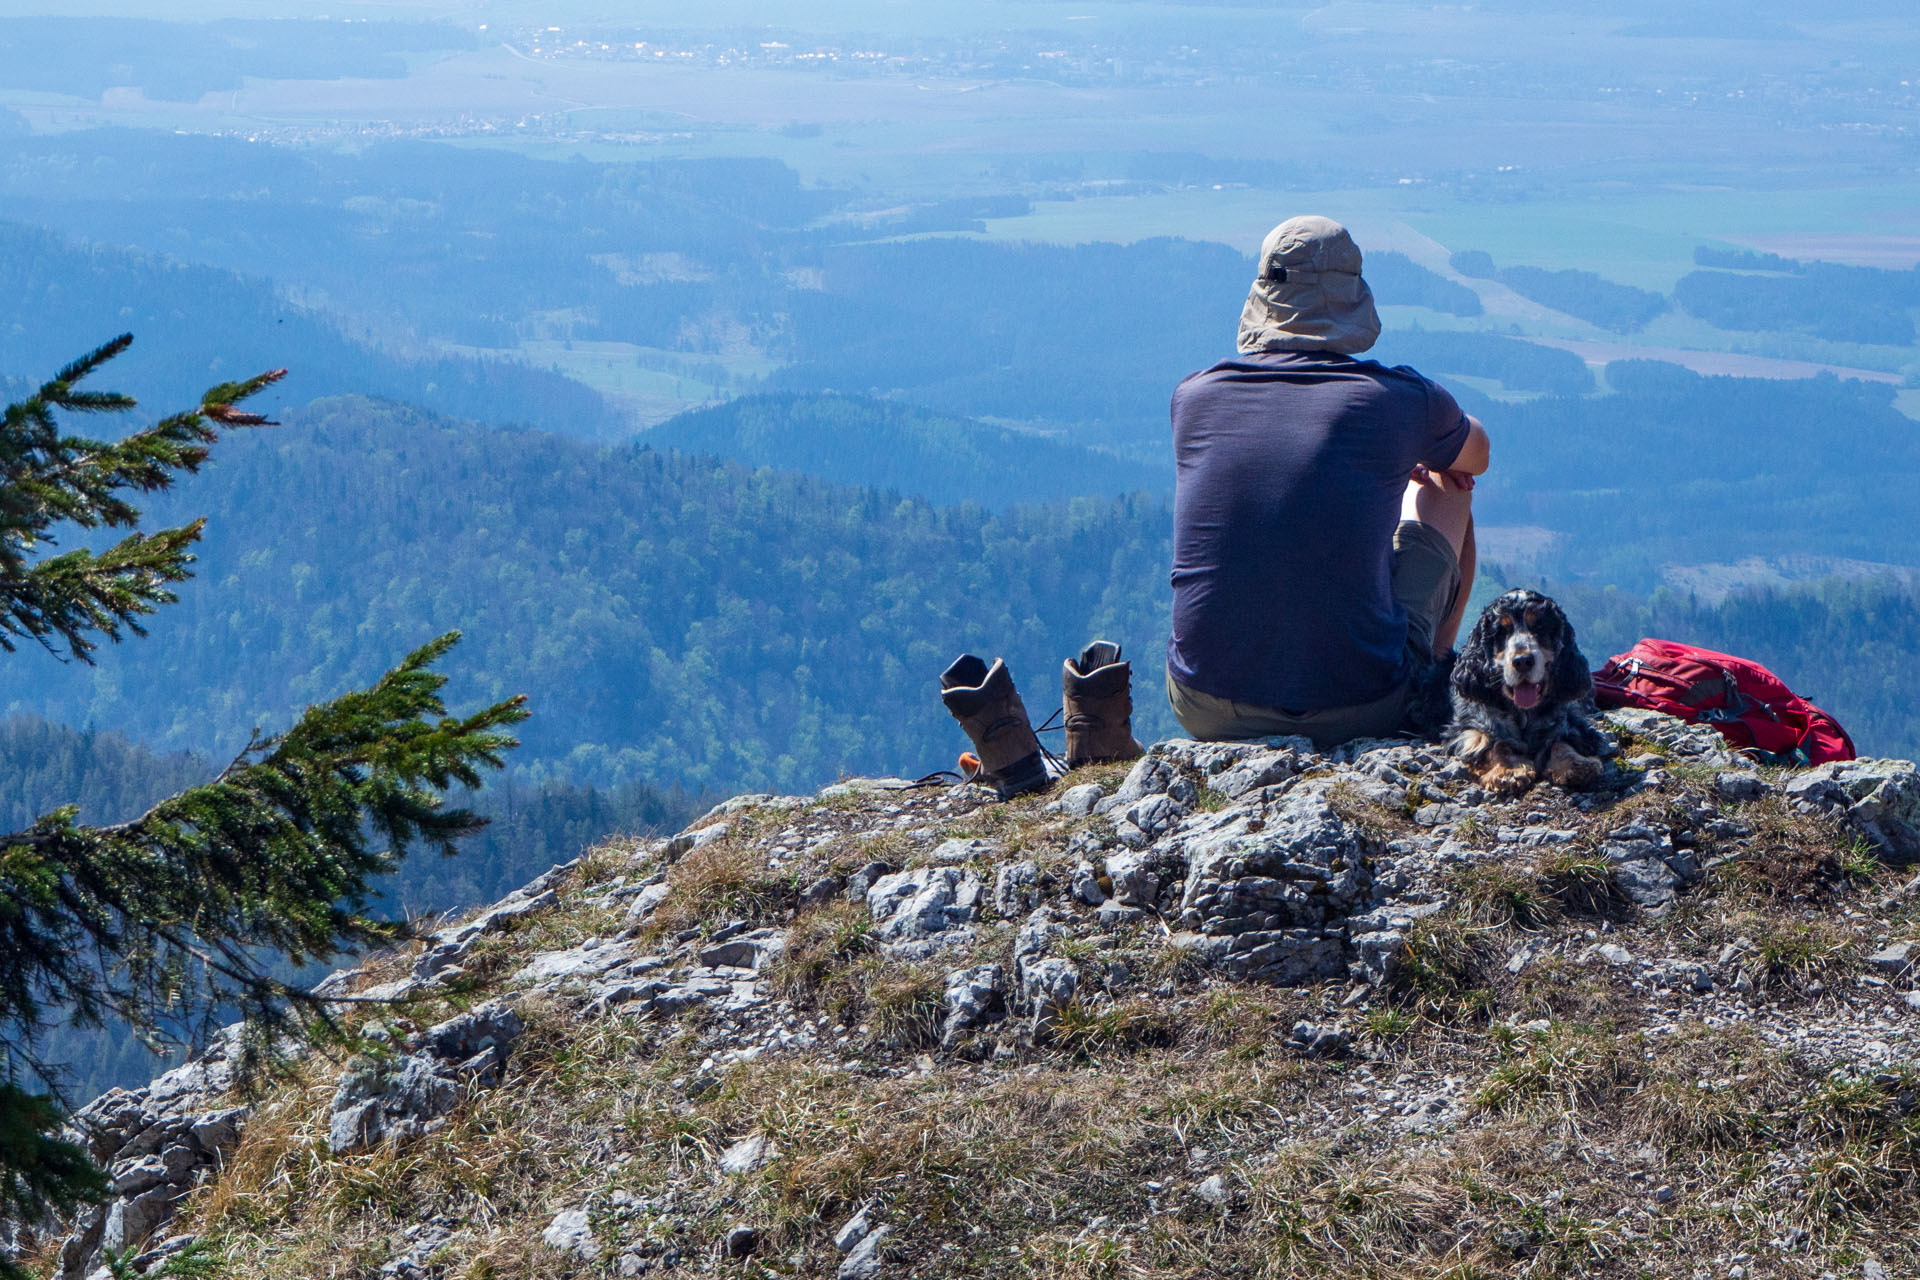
x: 721, y: 880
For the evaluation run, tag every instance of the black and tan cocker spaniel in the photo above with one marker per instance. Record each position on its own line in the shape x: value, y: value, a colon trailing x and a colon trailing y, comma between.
x: 1522, y: 696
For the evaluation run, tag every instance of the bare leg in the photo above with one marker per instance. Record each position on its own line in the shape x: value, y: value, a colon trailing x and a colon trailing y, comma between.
x: 1440, y: 503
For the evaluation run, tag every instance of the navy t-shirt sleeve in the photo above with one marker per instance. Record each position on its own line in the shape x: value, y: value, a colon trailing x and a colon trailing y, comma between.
x: 1447, y: 428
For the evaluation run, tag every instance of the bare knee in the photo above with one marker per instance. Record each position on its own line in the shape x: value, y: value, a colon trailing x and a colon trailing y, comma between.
x: 1440, y: 503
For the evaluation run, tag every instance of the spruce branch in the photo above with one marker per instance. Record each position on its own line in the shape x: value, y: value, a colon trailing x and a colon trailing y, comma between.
x: 49, y: 480
x: 174, y: 918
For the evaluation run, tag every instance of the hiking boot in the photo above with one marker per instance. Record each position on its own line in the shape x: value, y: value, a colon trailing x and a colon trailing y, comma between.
x: 988, y: 707
x: 1098, y: 697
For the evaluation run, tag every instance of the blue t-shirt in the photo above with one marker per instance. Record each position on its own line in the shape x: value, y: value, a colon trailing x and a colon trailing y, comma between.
x: 1291, y: 470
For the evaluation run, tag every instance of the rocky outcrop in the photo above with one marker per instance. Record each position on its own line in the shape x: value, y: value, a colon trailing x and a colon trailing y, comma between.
x: 1091, y: 920
x: 156, y: 1144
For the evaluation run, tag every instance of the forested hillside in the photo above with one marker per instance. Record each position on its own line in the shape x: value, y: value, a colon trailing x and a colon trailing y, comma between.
x: 684, y: 620
x: 200, y: 325
x: 938, y: 457
x: 671, y: 617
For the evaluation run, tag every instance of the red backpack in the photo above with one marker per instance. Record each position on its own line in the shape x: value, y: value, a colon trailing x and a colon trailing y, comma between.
x: 1746, y: 702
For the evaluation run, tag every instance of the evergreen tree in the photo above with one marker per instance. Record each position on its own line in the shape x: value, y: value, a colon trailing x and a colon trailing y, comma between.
x: 169, y: 918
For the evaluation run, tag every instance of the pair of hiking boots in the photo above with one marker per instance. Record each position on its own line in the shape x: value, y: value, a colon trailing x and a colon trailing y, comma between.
x: 1097, y: 704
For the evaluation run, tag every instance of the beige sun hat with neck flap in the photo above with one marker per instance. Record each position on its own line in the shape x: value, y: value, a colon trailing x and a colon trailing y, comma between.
x: 1309, y: 295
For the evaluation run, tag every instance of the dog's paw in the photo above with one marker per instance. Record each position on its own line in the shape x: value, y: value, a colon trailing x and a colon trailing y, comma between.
x: 1569, y: 769
x: 1509, y: 779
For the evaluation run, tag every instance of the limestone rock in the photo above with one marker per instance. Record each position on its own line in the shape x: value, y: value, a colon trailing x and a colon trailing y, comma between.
x: 1878, y: 798
x: 853, y: 1231
x: 748, y: 1154
x: 571, y: 1231
x: 1893, y: 961
x: 378, y: 1100
x: 1078, y: 802
x: 1273, y: 891
x: 918, y: 904
x: 1131, y: 874
x: 1085, y: 884
x: 1016, y: 889
x: 973, y: 996
x: 863, y: 1260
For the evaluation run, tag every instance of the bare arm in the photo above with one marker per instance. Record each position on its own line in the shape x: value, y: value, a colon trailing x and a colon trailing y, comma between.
x: 1476, y: 453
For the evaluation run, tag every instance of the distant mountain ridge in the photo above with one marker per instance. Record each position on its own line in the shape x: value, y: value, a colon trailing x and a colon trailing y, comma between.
x: 882, y: 445
x: 194, y: 326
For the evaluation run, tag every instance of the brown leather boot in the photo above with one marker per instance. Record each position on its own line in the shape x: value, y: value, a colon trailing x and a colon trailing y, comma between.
x: 988, y: 707
x: 1098, y: 697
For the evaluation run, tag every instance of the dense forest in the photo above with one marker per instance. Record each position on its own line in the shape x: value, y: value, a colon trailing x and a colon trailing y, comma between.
x: 1581, y: 294
x: 1764, y: 291
x: 672, y: 617
x: 939, y: 457
x: 1518, y: 365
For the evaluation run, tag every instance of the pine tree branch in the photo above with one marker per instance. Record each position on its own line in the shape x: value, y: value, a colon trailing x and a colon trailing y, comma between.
x: 49, y: 480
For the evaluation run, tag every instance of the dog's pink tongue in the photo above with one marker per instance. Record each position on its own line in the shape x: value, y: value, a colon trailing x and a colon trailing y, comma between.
x: 1526, y: 695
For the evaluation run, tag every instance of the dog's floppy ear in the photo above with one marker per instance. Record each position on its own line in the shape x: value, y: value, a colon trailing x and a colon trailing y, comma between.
x: 1475, y: 674
x: 1572, y: 681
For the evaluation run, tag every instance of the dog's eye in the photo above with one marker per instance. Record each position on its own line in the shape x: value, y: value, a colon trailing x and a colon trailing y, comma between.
x: 1533, y: 619
x: 1505, y: 622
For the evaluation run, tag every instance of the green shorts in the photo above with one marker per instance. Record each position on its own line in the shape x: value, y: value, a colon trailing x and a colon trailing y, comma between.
x: 1426, y: 582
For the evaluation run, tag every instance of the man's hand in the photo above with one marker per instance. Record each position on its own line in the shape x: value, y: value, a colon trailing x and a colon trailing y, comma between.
x: 1423, y: 474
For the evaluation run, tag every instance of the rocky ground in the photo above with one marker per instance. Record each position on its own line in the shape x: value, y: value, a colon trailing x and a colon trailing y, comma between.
x: 1237, y: 1010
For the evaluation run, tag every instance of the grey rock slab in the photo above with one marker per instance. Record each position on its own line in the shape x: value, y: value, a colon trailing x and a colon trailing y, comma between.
x: 753, y: 950
x: 1036, y: 936
x: 141, y: 1175
x: 1878, y: 798
x: 1694, y: 743
x: 825, y: 889
x: 132, y: 1220
x: 1280, y: 882
x: 973, y: 996
x: 648, y: 900
x: 1892, y: 961
x: 1265, y: 767
x: 694, y: 838
x: 1213, y: 1190
x: 396, y: 1098
x: 571, y: 1231
x: 748, y: 1154
x: 1049, y: 985
x: 1739, y: 784
x: 918, y: 903
x: 1648, y: 883
x: 1320, y: 1040
x: 863, y: 1260
x: 1153, y: 815
x: 853, y: 1231
x: 1016, y: 889
x: 1131, y: 873
x: 1375, y: 957
x: 216, y: 1131
x: 952, y: 853
x: 590, y: 959
x: 1078, y: 801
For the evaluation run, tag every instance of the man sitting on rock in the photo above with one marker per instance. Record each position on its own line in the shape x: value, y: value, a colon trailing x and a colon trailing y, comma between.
x: 1323, y: 526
